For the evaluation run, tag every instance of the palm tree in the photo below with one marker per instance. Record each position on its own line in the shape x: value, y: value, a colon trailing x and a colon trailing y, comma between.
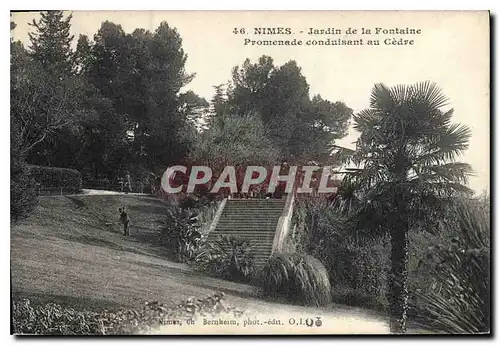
x: 405, y: 172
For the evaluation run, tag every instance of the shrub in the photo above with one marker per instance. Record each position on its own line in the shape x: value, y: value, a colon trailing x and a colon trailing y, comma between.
x: 22, y: 186
x: 357, y: 269
x: 102, y: 184
x: 206, y: 216
x: 358, y: 274
x: 54, y: 319
x: 180, y: 233
x: 458, y: 299
x: 69, y: 180
x: 299, y: 278
x: 22, y: 190
x: 229, y: 258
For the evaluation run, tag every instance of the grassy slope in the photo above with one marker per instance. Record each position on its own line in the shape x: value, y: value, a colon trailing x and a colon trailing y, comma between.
x: 67, y: 253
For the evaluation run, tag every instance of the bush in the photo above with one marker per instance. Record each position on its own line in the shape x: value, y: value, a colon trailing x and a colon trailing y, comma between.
x: 298, y: 278
x: 180, y: 233
x: 22, y: 190
x: 458, y: 298
x: 206, y: 216
x: 357, y: 270
x: 101, y: 184
x: 69, y: 180
x: 22, y: 186
x: 54, y: 319
x: 229, y: 258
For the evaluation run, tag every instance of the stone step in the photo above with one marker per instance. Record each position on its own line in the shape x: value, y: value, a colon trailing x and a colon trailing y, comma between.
x: 248, y: 215
x: 263, y: 240
x: 257, y: 201
x: 253, y: 242
x: 257, y: 231
x: 252, y: 211
x: 260, y: 252
x: 257, y: 217
x: 251, y: 202
x: 246, y: 224
x: 243, y: 233
x: 256, y: 204
x: 263, y: 206
x: 252, y: 220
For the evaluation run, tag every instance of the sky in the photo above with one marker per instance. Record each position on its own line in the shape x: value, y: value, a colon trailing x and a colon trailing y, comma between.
x: 451, y: 50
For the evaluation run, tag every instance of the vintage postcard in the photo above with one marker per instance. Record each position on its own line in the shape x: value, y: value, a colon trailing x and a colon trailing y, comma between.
x: 250, y: 172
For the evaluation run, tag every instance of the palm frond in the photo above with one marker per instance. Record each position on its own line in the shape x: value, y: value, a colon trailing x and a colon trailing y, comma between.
x: 380, y: 98
x: 446, y: 116
x: 450, y: 172
x: 401, y: 93
x: 446, y: 189
x: 447, y: 145
x: 367, y: 120
x: 429, y: 93
x: 341, y: 155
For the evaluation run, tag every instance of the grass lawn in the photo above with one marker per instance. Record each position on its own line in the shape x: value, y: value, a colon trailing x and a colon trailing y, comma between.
x: 67, y: 252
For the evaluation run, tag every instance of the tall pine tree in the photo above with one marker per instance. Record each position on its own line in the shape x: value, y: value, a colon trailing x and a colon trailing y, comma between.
x: 302, y: 128
x: 53, y: 88
x: 51, y: 43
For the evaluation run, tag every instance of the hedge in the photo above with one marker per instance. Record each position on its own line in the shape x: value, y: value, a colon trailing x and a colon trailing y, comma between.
x: 52, y: 178
x: 102, y: 184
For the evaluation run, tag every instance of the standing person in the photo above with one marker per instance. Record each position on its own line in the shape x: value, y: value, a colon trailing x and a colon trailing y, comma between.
x: 158, y: 189
x: 128, y: 183
x: 124, y: 219
x: 120, y: 184
x: 140, y: 185
x: 152, y: 179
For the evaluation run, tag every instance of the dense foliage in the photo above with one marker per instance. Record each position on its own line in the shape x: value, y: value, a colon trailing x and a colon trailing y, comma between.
x: 22, y: 186
x: 301, y: 128
x: 229, y: 258
x: 22, y: 189
x: 54, y: 319
x: 68, y: 180
x: 110, y: 105
x: 116, y: 104
x: 406, y: 174
x: 357, y: 269
x: 457, y: 297
x: 297, y: 278
x: 180, y: 233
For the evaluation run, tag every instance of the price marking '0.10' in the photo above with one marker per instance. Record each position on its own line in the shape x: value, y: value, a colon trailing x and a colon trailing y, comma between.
x: 309, y: 322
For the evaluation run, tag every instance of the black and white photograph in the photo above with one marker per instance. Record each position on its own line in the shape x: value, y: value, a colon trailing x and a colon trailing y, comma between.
x: 250, y: 173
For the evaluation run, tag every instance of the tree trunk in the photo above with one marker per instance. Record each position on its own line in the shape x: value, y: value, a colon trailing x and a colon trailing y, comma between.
x: 398, y: 289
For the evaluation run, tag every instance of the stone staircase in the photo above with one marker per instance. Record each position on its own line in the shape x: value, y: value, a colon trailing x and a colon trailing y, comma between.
x: 256, y: 220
